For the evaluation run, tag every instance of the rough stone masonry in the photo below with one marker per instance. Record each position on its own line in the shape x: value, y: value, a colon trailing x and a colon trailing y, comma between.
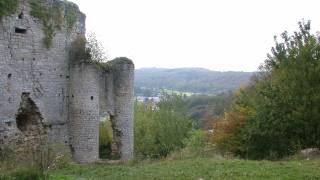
x: 44, y: 96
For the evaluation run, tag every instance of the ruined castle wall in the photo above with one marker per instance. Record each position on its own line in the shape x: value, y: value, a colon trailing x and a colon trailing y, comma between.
x: 84, y: 112
x: 26, y: 66
x: 118, y: 101
x: 124, y: 102
x: 43, y: 94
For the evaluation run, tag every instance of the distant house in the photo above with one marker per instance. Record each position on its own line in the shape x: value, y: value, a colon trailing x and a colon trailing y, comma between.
x: 210, y: 131
x: 148, y: 99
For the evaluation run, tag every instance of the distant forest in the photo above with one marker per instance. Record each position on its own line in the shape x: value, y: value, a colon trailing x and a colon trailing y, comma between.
x: 149, y: 81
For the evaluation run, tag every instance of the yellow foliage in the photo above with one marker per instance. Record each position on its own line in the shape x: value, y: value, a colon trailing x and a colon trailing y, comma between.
x: 226, y: 128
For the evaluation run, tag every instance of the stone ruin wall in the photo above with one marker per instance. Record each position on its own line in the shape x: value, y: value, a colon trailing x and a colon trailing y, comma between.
x: 117, y: 101
x: 45, y: 97
x: 96, y: 94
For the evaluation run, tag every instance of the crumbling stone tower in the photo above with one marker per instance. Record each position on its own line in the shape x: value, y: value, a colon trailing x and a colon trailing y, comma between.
x: 44, y: 96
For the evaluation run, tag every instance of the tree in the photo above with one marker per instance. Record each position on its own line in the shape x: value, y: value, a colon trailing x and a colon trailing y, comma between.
x: 284, y: 98
x: 162, y: 128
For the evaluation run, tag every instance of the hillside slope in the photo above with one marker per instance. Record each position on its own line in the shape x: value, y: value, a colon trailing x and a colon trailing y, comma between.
x: 195, y: 80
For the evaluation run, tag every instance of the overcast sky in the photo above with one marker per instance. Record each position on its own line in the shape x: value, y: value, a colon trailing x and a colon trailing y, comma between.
x: 222, y: 35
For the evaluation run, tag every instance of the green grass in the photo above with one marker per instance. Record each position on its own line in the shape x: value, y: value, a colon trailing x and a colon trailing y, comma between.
x: 204, y: 168
x: 194, y: 168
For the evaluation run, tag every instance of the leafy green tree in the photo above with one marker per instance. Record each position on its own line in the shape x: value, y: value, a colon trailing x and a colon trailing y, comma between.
x: 284, y: 98
x: 162, y: 128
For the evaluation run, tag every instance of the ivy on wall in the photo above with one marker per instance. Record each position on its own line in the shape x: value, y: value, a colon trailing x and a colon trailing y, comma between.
x: 7, y: 7
x: 71, y: 16
x: 52, y: 17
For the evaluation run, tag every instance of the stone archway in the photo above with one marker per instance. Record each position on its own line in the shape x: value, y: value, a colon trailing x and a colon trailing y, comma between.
x: 109, y: 138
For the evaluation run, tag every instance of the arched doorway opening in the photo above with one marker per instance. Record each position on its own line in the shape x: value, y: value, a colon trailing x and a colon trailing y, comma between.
x: 108, y: 147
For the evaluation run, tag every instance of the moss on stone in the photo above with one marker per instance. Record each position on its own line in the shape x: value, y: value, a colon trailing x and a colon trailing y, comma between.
x: 7, y: 7
x: 112, y: 65
x: 122, y: 60
x: 71, y: 16
x: 104, y: 66
x: 52, y: 17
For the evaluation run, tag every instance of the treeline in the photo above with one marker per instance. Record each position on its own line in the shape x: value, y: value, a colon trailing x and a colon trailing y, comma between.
x: 279, y: 112
x: 203, y: 108
x: 150, y: 81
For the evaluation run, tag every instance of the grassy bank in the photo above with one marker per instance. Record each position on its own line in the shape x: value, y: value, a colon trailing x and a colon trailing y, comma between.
x: 204, y: 168
x: 196, y: 169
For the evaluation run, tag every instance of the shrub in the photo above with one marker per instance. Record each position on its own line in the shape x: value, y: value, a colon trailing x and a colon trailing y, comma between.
x: 227, y: 137
x: 78, y: 51
x: 88, y: 50
x: 160, y: 128
x: 198, y: 140
x: 61, y: 161
x: 197, y: 145
x: 95, y: 48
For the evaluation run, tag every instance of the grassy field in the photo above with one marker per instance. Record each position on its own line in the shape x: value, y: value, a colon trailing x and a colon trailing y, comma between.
x: 199, y: 168
x: 195, y: 169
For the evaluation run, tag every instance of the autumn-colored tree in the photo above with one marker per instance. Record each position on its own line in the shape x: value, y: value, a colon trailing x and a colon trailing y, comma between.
x: 227, y: 129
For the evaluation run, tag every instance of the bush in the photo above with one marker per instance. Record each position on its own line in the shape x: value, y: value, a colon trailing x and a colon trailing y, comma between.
x: 78, y: 51
x: 226, y: 136
x: 198, y: 140
x: 197, y: 145
x: 61, y: 161
x: 88, y: 50
x: 160, y: 128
